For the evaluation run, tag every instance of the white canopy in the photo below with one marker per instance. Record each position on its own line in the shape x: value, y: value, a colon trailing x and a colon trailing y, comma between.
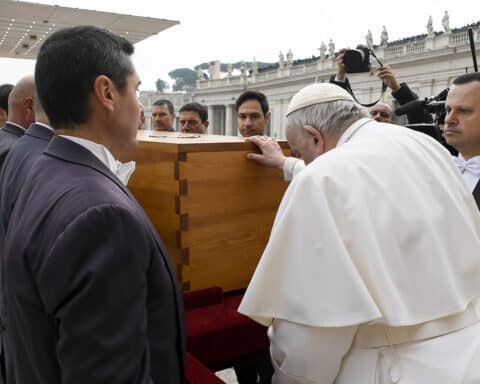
x: 23, y: 25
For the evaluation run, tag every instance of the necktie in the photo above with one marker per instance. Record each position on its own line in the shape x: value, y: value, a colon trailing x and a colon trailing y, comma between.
x: 471, y: 166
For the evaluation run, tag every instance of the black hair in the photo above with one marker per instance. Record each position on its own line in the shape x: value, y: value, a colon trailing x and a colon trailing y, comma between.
x: 67, y: 65
x: 252, y: 95
x: 5, y: 90
x: 196, y: 107
x: 467, y: 78
x: 168, y: 103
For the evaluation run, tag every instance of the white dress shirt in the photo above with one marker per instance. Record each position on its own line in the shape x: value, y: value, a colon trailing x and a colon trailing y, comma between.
x: 122, y: 171
x: 470, y: 169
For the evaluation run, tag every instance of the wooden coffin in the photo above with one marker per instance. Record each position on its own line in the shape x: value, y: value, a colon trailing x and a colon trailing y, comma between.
x: 213, y: 208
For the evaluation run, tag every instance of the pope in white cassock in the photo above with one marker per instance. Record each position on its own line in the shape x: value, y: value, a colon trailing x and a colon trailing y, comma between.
x: 372, y: 270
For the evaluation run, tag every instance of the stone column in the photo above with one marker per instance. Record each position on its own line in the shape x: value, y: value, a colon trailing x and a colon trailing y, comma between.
x: 277, y: 128
x: 229, y: 128
x: 210, y: 119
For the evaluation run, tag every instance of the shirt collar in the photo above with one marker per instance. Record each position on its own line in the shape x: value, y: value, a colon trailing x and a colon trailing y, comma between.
x: 16, y: 125
x: 474, y: 159
x: 122, y: 171
x: 347, y: 135
x: 44, y: 125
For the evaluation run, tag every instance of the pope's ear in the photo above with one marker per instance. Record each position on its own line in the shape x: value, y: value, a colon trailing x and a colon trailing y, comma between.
x: 315, y: 135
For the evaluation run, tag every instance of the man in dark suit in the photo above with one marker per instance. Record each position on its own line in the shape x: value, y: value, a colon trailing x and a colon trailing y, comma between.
x: 20, y: 115
x: 19, y: 162
x: 90, y: 293
x: 462, y: 128
x: 5, y: 90
x: 16, y: 167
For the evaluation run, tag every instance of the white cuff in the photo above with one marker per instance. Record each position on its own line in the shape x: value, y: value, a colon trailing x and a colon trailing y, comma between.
x: 289, y: 167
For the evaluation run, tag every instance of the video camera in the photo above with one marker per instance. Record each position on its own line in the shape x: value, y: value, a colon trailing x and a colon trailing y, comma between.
x: 433, y: 105
x: 433, y: 110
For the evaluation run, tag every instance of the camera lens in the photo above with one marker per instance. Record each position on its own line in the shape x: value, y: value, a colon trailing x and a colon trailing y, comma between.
x: 356, y: 60
x: 353, y: 58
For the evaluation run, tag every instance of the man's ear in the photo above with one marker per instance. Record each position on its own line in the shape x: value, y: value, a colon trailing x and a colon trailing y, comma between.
x: 28, y: 103
x: 29, y: 111
x: 317, y: 137
x: 267, y: 116
x: 104, y: 92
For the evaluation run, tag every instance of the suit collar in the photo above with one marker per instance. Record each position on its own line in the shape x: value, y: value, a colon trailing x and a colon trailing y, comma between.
x: 476, y: 194
x: 13, y: 129
x: 69, y: 151
x: 40, y: 132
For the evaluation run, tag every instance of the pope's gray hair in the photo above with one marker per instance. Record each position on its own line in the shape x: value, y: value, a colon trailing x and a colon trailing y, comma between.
x: 332, y: 118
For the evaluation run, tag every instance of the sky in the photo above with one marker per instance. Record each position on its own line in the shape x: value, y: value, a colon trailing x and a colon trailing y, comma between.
x: 230, y: 31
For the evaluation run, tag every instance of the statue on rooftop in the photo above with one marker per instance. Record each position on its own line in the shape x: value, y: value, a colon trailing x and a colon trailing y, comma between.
x: 446, y: 22
x: 331, y: 49
x: 243, y: 69
x: 289, y: 57
x: 322, y: 49
x: 384, y: 37
x: 430, y: 26
x: 369, y: 39
x: 254, y: 67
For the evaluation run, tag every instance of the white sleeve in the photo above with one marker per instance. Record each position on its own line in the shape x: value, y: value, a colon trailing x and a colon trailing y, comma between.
x: 291, y: 167
x: 302, y: 354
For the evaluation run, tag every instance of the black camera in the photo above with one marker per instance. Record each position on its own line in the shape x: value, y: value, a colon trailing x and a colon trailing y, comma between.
x: 434, y: 105
x: 433, y: 110
x: 357, y: 60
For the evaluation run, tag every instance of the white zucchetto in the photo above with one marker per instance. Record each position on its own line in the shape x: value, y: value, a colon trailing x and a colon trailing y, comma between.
x: 315, y: 94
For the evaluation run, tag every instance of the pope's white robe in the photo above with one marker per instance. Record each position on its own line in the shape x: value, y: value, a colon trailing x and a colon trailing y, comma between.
x: 380, y: 230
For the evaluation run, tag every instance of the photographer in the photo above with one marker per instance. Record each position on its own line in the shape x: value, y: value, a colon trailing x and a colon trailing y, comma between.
x: 401, y: 92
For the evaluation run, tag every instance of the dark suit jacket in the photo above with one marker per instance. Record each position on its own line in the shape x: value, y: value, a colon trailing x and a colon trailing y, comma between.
x: 16, y: 167
x: 90, y: 292
x: 416, y: 115
x: 9, y: 134
x: 476, y: 194
x: 17, y: 164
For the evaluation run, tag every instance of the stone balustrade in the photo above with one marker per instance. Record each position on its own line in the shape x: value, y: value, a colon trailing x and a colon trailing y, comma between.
x: 407, y: 47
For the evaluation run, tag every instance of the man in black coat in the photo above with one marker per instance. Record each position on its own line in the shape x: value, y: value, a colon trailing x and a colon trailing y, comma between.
x: 16, y: 167
x: 90, y: 293
x: 20, y: 115
x: 462, y: 128
x: 5, y: 90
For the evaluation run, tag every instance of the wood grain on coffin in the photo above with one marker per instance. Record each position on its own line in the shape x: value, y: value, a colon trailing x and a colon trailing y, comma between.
x: 212, y: 207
